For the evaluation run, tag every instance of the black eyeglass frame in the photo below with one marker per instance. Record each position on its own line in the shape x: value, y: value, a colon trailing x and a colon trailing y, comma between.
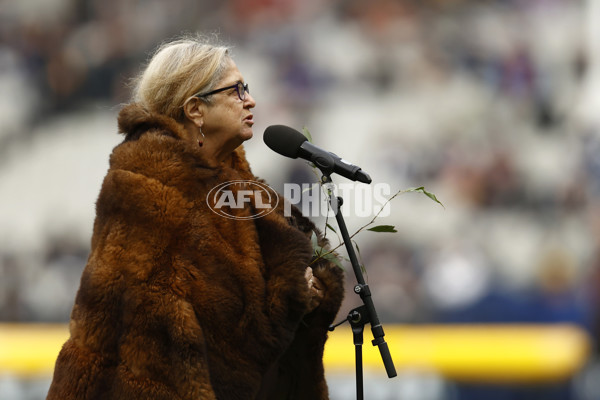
x: 237, y: 86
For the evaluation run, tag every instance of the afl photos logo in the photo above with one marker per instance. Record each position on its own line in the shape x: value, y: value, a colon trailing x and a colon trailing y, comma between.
x: 229, y: 199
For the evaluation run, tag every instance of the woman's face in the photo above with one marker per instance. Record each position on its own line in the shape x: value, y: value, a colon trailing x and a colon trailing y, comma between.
x: 228, y: 120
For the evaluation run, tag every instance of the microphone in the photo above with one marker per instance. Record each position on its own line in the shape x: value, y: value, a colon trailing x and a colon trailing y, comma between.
x: 290, y: 143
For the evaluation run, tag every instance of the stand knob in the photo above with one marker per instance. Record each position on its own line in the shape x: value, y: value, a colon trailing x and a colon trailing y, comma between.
x: 355, y: 317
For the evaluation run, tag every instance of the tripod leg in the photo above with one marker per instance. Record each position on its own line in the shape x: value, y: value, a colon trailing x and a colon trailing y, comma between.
x: 357, y: 321
x: 359, y: 372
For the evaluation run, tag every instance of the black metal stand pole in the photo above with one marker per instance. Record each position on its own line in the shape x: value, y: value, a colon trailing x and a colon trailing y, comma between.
x: 362, y: 315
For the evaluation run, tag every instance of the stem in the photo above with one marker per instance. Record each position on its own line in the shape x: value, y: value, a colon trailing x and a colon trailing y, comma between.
x: 361, y: 228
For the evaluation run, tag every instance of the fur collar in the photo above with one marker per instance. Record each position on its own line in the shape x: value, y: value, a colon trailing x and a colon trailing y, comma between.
x: 134, y: 119
x: 163, y: 138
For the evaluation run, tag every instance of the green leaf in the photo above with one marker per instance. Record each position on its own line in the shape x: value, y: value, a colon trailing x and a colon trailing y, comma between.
x: 314, y: 241
x: 333, y: 258
x: 357, y: 248
x: 307, y: 189
x: 358, y: 251
x: 306, y: 133
x: 426, y: 193
x: 362, y: 265
x: 383, y: 228
x: 363, y: 269
x: 331, y: 227
x: 319, y: 251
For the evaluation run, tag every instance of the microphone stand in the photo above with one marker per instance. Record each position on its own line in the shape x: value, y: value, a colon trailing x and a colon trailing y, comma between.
x: 366, y: 313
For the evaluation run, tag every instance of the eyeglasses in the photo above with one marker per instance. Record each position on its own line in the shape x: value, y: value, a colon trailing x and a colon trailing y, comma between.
x: 239, y: 87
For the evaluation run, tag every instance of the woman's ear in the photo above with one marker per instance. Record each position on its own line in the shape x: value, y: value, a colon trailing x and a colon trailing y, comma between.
x: 194, y: 109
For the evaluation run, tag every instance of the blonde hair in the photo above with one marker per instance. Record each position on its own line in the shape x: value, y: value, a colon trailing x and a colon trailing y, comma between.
x: 177, y: 71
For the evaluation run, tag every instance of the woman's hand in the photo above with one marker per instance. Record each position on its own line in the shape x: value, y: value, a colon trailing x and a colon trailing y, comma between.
x: 316, y: 288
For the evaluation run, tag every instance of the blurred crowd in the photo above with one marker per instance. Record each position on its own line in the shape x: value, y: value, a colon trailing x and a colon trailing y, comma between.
x: 481, y: 102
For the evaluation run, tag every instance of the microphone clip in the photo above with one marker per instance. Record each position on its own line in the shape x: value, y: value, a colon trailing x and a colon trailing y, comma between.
x: 324, y: 161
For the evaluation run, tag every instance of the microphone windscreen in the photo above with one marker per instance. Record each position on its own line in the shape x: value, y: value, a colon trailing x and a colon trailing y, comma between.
x: 284, y: 140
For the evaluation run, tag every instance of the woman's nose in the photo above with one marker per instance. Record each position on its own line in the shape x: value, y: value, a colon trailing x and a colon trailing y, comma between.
x: 249, y: 102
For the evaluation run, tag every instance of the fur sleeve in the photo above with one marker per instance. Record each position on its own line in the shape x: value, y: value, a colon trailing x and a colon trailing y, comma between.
x: 299, y: 373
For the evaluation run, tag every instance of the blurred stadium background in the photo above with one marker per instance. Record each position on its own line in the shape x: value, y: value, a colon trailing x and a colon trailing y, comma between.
x: 492, y: 105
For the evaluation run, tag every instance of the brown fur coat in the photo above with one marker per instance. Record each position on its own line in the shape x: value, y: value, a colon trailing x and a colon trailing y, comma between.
x: 177, y: 302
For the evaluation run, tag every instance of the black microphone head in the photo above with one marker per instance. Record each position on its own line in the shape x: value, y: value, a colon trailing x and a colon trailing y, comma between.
x: 284, y: 140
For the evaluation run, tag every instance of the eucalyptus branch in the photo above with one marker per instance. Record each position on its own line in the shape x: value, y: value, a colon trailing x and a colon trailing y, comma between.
x: 359, y: 230
x: 330, y: 255
x: 382, y: 228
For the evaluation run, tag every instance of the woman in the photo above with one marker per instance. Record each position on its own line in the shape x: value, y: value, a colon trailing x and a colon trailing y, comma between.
x: 176, y: 301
